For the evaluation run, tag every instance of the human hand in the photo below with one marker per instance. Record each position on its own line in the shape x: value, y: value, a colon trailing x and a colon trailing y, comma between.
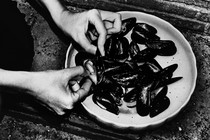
x: 52, y: 88
x: 76, y: 25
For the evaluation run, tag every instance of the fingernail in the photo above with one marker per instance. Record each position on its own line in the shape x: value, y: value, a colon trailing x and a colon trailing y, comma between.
x: 90, y: 67
x: 74, y: 85
x: 102, y: 53
x: 93, y: 78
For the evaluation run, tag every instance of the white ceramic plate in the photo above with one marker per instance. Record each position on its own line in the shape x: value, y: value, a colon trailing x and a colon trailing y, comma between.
x: 179, y: 93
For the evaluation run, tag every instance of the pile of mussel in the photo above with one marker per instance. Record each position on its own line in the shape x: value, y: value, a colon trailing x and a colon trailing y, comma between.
x: 129, y: 72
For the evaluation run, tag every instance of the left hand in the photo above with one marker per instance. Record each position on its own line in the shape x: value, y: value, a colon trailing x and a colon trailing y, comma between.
x: 76, y: 26
x: 53, y: 88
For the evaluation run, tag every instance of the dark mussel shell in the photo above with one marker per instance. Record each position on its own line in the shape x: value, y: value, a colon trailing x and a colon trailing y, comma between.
x: 142, y: 36
x: 126, y: 79
x: 160, y: 94
x: 167, y: 81
x: 127, y: 25
x: 109, y: 46
x: 145, y: 55
x: 143, y: 100
x: 144, y: 96
x: 81, y: 57
x: 151, y: 66
x: 163, y: 47
x: 117, y: 48
x: 134, y: 49
x: 121, y: 51
x: 99, y: 67
x: 172, y: 80
x: 120, y: 68
x: 144, y: 27
x: 160, y: 103
x: 106, y: 101
x: 114, y: 89
x: 138, y: 37
x: 117, y: 94
x: 109, y: 63
x: 131, y: 96
x: 167, y: 72
x: 164, y: 76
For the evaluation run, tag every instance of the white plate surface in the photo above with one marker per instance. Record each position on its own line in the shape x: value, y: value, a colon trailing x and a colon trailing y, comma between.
x: 179, y: 93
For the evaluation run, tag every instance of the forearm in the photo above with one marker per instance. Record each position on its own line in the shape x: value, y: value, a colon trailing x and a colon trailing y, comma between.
x: 54, y: 7
x: 18, y: 79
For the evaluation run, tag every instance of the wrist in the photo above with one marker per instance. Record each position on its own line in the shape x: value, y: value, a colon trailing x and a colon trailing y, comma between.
x: 55, y: 8
x: 19, y: 79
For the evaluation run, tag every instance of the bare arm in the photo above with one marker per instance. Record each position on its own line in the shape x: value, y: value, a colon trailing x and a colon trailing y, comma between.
x: 14, y: 78
x: 76, y: 24
x: 51, y: 87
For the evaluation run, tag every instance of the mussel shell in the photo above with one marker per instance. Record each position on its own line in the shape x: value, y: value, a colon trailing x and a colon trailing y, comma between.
x: 117, y: 94
x: 167, y: 72
x: 106, y: 101
x: 143, y: 100
x: 144, y: 27
x: 145, y: 55
x: 126, y: 79
x: 131, y: 96
x: 81, y: 57
x: 114, y: 90
x: 163, y: 77
x: 109, y: 63
x: 127, y: 25
x: 117, y: 48
x: 161, y: 94
x: 159, y: 105
x: 120, y: 68
x: 121, y: 51
x: 167, y: 81
x: 138, y: 37
x: 163, y: 47
x: 144, y: 96
x: 109, y: 46
x: 151, y: 66
x: 143, y: 36
x: 134, y: 49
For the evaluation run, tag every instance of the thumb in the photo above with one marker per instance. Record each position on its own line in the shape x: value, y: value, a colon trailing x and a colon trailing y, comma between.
x: 85, y: 43
x: 71, y: 73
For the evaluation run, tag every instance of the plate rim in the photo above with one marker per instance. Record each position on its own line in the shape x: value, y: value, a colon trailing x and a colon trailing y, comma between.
x: 172, y: 115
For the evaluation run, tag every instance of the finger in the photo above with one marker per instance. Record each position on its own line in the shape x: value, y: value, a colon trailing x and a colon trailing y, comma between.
x: 114, y: 18
x: 73, y: 72
x: 108, y: 24
x: 85, y: 43
x: 93, y: 77
x: 99, y: 25
x: 117, y: 23
x: 92, y: 72
x: 74, y: 85
x: 83, y: 91
x: 91, y: 36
